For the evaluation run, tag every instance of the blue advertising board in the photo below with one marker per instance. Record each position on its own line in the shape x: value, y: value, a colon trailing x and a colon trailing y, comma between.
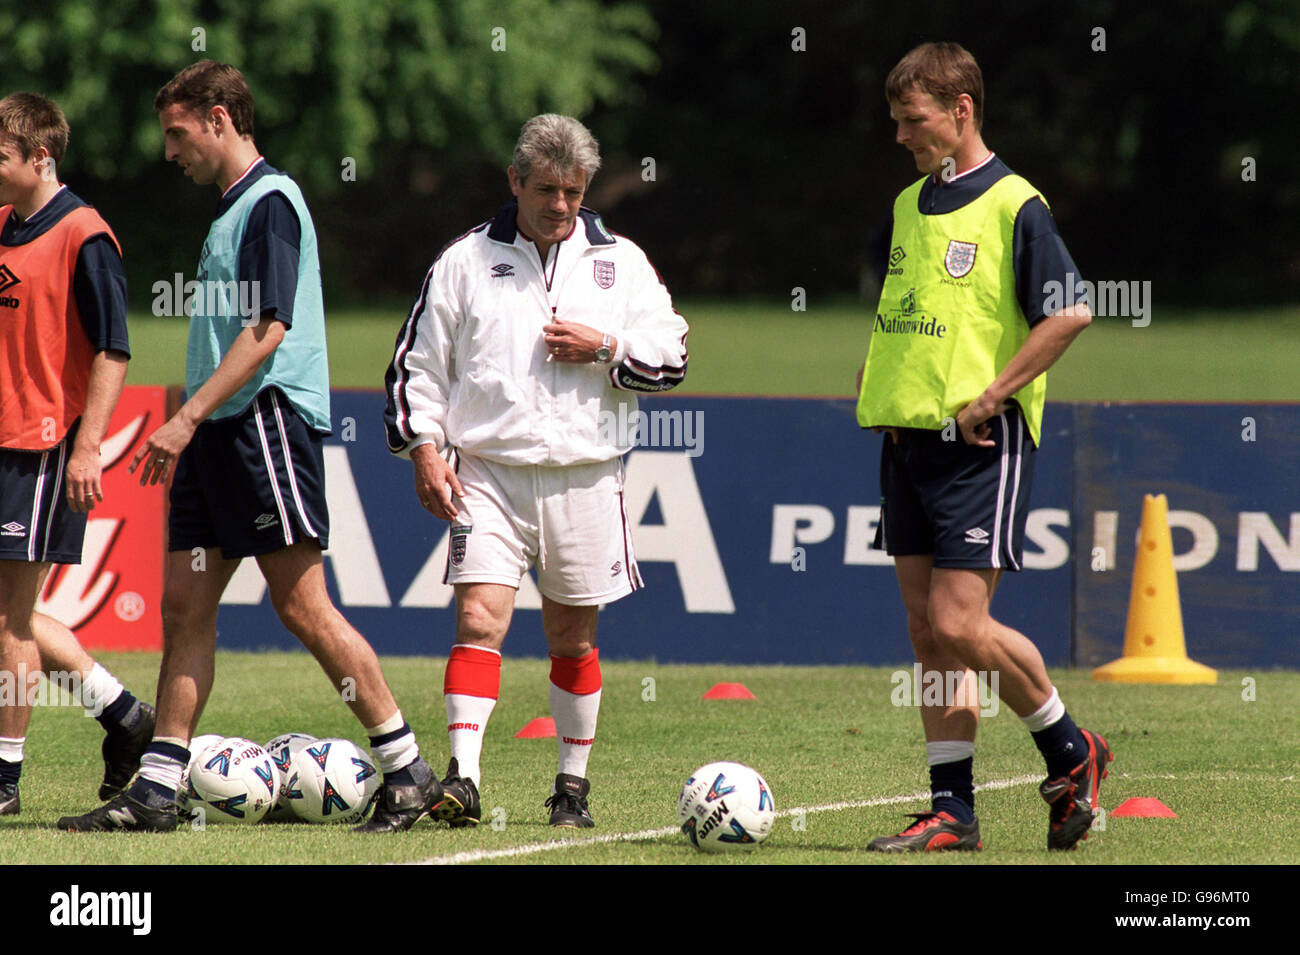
x: 752, y: 519
x: 1231, y: 474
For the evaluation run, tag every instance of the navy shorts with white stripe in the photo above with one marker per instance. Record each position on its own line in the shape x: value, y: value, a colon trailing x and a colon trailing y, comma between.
x: 250, y: 484
x: 964, y: 504
x: 36, y: 524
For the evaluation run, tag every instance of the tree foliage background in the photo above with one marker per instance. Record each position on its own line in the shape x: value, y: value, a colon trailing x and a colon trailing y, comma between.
x: 764, y: 124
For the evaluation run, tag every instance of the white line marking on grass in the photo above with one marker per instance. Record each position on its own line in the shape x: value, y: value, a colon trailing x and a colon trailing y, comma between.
x: 483, y: 855
x: 1216, y: 777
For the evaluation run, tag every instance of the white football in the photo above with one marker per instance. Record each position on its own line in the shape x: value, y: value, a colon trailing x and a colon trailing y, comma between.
x: 197, y: 745
x: 232, y: 780
x: 332, y: 780
x: 726, y: 806
x: 281, y: 750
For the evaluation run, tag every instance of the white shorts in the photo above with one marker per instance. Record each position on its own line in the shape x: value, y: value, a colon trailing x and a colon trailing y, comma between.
x: 568, y: 521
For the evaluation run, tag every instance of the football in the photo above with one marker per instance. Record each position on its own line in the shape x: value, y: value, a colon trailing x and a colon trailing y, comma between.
x: 281, y: 750
x: 233, y: 780
x: 725, y: 806
x: 331, y: 780
x: 197, y: 745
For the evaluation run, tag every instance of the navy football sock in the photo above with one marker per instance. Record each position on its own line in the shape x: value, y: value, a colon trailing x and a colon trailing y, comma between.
x: 952, y: 789
x: 9, y: 772
x: 1062, y: 745
x: 150, y: 793
x: 115, y: 712
x: 402, y: 777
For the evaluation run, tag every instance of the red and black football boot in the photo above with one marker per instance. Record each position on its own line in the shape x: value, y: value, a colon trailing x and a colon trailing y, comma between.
x: 1072, y: 799
x: 932, y: 832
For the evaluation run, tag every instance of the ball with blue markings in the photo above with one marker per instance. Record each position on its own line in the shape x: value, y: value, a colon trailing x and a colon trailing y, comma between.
x: 726, y: 806
x: 232, y: 780
x: 332, y: 780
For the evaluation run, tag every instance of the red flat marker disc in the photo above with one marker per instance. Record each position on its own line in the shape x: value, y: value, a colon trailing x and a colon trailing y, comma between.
x: 540, y: 728
x: 1144, y: 806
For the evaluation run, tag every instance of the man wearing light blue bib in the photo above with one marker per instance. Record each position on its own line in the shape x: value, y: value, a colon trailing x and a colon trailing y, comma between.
x: 245, y: 457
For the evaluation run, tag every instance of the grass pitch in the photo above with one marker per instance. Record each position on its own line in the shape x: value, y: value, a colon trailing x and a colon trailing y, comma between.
x: 762, y: 348
x: 827, y: 739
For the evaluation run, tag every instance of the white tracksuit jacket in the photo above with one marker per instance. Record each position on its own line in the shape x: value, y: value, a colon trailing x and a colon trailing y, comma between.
x: 471, y: 369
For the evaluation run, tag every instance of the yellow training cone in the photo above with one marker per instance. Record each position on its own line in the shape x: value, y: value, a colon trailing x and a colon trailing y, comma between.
x: 1154, y: 649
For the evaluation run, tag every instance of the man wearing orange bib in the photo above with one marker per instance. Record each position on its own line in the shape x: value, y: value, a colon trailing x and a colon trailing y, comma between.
x: 63, y: 356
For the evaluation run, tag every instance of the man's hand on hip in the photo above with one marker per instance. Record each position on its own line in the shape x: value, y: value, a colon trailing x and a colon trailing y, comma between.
x: 973, y: 420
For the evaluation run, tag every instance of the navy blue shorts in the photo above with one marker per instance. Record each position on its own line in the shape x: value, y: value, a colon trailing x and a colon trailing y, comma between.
x: 250, y: 484
x: 966, y: 505
x: 36, y: 523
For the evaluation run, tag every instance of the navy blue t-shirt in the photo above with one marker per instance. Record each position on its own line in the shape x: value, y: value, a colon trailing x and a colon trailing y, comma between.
x: 268, y: 252
x: 98, y: 281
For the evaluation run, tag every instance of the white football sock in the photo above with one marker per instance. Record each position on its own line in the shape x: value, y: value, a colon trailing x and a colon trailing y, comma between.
x: 393, y: 744
x: 575, y: 727
x: 99, y: 690
x: 1046, y: 715
x: 11, y: 748
x: 948, y: 751
x: 162, y: 770
x: 467, y: 719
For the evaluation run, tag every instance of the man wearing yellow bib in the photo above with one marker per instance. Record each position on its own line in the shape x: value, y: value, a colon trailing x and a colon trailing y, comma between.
x: 955, y: 379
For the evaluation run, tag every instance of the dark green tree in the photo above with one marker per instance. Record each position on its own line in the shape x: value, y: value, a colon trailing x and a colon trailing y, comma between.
x: 332, y: 79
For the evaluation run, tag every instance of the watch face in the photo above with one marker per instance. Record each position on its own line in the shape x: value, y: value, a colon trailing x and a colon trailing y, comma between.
x: 603, y: 353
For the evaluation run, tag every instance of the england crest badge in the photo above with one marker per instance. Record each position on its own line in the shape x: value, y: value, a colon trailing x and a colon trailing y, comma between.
x: 459, y: 538
x: 960, y: 258
x: 604, y: 272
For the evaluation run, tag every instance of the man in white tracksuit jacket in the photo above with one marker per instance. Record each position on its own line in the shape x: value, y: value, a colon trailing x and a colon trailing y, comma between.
x: 528, y: 340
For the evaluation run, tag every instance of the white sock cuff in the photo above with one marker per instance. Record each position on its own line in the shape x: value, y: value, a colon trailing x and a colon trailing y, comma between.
x: 949, y: 751
x: 99, y: 689
x: 1046, y: 715
x: 11, y: 748
x: 397, y: 754
x: 390, y: 725
x: 163, y: 770
x: 474, y: 646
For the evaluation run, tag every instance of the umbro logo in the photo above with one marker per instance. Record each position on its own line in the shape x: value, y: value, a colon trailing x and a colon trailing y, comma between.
x: 264, y: 521
x: 977, y: 535
x: 13, y: 529
x: 615, y: 567
x: 7, y: 278
x: 896, y: 255
x: 502, y: 269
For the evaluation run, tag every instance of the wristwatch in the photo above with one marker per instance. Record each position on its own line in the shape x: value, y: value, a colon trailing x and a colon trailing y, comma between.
x: 604, y: 352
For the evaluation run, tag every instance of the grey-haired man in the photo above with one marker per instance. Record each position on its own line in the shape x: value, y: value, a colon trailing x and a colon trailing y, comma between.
x: 532, y: 332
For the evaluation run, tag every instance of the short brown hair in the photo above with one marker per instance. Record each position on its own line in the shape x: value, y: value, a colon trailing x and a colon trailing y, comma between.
x: 944, y: 70
x: 207, y: 84
x: 33, y: 121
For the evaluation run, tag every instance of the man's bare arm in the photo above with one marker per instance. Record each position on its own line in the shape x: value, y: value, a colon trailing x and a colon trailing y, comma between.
x: 84, y: 471
x: 1046, y: 343
x: 253, y: 346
